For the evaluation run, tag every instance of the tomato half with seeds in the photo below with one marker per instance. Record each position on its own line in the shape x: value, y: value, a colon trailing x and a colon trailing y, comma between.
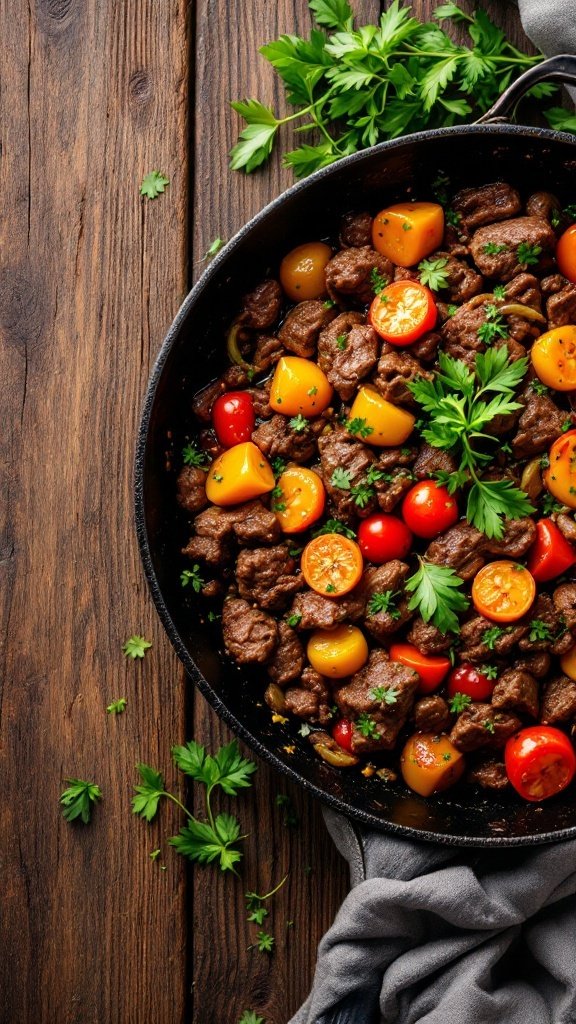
x: 428, y: 509
x: 342, y: 733
x: 402, y: 312
x: 233, y: 418
x: 299, y: 499
x: 540, y: 762
x: 551, y: 554
x: 382, y: 537
x: 503, y: 591
x: 471, y: 681
x: 332, y: 564
x: 432, y: 669
x: 560, y: 476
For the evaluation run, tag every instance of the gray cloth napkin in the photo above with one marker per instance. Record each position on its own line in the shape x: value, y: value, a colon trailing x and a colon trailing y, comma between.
x: 437, y: 935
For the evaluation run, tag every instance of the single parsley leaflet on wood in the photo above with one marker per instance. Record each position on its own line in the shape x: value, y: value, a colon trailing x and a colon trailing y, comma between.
x: 78, y: 799
x: 153, y: 184
x: 136, y: 646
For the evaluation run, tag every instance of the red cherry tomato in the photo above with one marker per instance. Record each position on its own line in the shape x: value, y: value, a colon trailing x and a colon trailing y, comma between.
x: 431, y: 670
x: 342, y: 733
x: 233, y: 418
x: 470, y: 680
x: 429, y: 510
x: 540, y: 762
x: 382, y: 537
x: 551, y: 554
x: 402, y: 312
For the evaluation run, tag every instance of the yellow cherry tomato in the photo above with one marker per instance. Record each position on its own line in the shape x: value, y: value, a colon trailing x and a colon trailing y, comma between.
x: 239, y: 474
x: 300, y: 499
x: 566, y: 253
x: 389, y: 424
x: 568, y: 663
x: 503, y: 591
x: 337, y: 652
x: 302, y: 271
x: 554, y: 358
x: 299, y: 386
x: 407, y: 232
x: 430, y: 763
x: 560, y: 476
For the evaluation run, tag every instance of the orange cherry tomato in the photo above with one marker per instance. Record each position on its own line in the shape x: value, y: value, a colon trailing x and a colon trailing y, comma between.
x: 431, y: 669
x: 430, y: 763
x: 540, y: 762
x: 402, y: 312
x: 560, y: 476
x: 553, y: 357
x: 299, y: 500
x: 551, y: 554
x: 299, y: 387
x: 566, y: 253
x: 302, y: 271
x: 239, y: 474
x: 332, y: 564
x: 503, y: 591
x: 407, y: 232
x: 337, y: 652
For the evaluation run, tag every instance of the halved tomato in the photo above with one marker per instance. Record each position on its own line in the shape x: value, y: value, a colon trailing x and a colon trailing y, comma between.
x: 402, y: 312
x: 332, y: 564
x: 503, y: 591
x: 298, y: 498
x: 551, y: 554
x: 431, y: 668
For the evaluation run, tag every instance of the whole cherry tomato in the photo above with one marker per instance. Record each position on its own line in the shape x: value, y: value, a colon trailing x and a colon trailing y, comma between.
x: 302, y: 271
x: 233, y: 418
x: 566, y: 253
x: 431, y: 669
x: 428, y: 509
x: 342, y: 733
x: 382, y: 537
x: 337, y: 652
x: 470, y: 680
x: 551, y: 554
x: 402, y: 312
x: 540, y: 762
x: 553, y: 357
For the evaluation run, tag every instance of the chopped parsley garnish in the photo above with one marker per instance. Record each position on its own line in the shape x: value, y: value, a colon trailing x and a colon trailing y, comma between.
x: 499, y: 291
x: 335, y: 526
x: 298, y: 423
x: 362, y: 493
x: 136, y: 646
x: 527, y: 255
x: 312, y: 391
x: 458, y: 702
x: 341, y: 478
x: 213, y: 248
x: 377, y: 281
x: 491, y: 635
x: 330, y: 588
x: 329, y: 304
x: 359, y: 427
x: 191, y: 577
x: 433, y: 273
x: 451, y: 309
x: 342, y: 342
x: 278, y: 466
x: 406, y: 226
x: 117, y: 707
x: 384, y: 694
x: 493, y: 249
x: 539, y: 630
x: 384, y: 602
x: 488, y: 724
x: 366, y: 726
x: 436, y: 594
x: 494, y: 326
x: 550, y: 505
x: 153, y: 184
x: 538, y: 387
x: 490, y: 671
x: 294, y: 619
x: 192, y: 457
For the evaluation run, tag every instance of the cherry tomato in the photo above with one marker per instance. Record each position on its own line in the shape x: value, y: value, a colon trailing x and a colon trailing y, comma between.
x: 337, y: 652
x: 383, y: 423
x: 560, y: 476
x: 431, y: 669
x: 239, y: 474
x: 407, y: 232
x: 302, y: 271
x: 429, y: 510
x: 503, y: 591
x: 540, y: 762
x: 553, y: 357
x: 551, y: 554
x: 430, y: 763
x: 568, y: 663
x: 342, y: 733
x: 300, y: 499
x: 299, y: 387
x: 566, y: 253
x: 470, y: 680
x: 382, y: 537
x: 233, y: 418
x: 331, y: 564
x: 402, y: 312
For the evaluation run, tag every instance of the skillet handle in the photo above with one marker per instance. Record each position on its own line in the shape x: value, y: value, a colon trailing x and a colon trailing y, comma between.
x: 561, y: 69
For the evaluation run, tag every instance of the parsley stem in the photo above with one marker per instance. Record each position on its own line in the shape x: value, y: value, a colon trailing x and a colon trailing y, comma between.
x: 273, y: 891
x: 177, y: 802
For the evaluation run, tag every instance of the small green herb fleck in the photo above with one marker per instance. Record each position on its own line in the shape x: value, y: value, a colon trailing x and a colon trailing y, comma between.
x: 384, y: 694
x: 294, y: 619
x: 213, y: 248
x: 341, y: 478
x: 335, y: 526
x: 366, y: 726
x: 492, y: 249
x: 377, y: 281
x: 153, y: 184
x: 342, y: 342
x: 499, y: 291
x: 298, y: 423
x: 459, y: 702
x: 539, y: 630
x: 136, y: 646
x: 527, y: 255
x: 191, y: 577
x: 433, y: 273
x: 384, y: 602
x: 488, y: 724
x: 117, y: 707
x: 192, y: 457
x: 359, y: 427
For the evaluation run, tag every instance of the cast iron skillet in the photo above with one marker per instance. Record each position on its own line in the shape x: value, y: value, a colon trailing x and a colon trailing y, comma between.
x: 193, y: 353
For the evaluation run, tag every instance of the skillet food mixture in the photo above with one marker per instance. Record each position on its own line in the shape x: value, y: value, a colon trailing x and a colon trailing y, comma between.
x: 381, y: 491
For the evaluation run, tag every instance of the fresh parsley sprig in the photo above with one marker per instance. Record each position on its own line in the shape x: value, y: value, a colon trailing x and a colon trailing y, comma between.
x: 436, y: 594
x: 433, y: 273
x: 78, y: 799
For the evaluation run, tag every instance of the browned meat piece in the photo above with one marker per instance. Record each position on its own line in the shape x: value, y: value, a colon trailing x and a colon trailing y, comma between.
x: 251, y: 523
x: 460, y: 334
x: 267, y: 352
x: 543, y: 611
x: 432, y: 714
x: 426, y: 347
x: 537, y: 664
x: 266, y: 576
x: 310, y: 700
x: 481, y: 725
x: 397, y: 369
x: 538, y: 426
x: 338, y: 450
x: 360, y: 697
x: 460, y: 548
x: 525, y: 289
x: 567, y: 526
x: 191, y: 484
x: 558, y: 701
x: 542, y: 204
x: 390, y: 491
x: 564, y: 598
x: 250, y: 635
x: 517, y: 691
x: 489, y: 774
x: 561, y: 306
x: 463, y: 281
x: 204, y: 400
x: 300, y: 330
x: 319, y: 612
x: 405, y: 274
x: 347, y: 352
x: 519, y: 535
x: 348, y: 274
x: 261, y: 400
x: 505, y: 264
x: 389, y: 458
x: 212, y: 589
x: 484, y: 205
x: 553, y: 283
x: 288, y: 659
x: 427, y: 637
x: 356, y: 230
x: 433, y: 460
x: 474, y: 646
x: 379, y: 580
x: 275, y: 437
x: 261, y: 307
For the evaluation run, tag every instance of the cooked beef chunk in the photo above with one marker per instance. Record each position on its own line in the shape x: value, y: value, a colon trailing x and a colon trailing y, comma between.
x: 433, y: 460
x: 347, y: 352
x: 460, y: 334
x: 267, y: 352
x: 250, y: 523
x: 319, y: 612
x: 404, y: 274
x: 537, y: 664
x: 261, y: 400
x: 505, y: 264
x: 310, y: 700
x: 519, y: 535
x: 463, y: 281
x: 204, y: 400
x: 481, y: 725
x: 558, y: 701
x: 288, y: 658
x: 390, y: 491
x: 357, y: 698
x: 250, y: 635
x: 379, y: 580
x: 538, y: 426
x: 561, y: 307
x: 564, y: 598
x: 300, y: 330
x: 460, y: 548
x: 484, y: 205
x: 191, y: 484
x: 276, y: 438
x: 489, y: 774
x: 426, y: 348
x: 567, y: 526
x: 427, y: 637
x: 389, y: 458
x: 525, y: 289
x: 212, y: 589
x: 348, y: 274
x: 432, y: 714
x: 266, y: 576
x: 542, y: 204
x: 517, y: 691
x: 553, y: 283
x: 254, y: 524
x: 356, y: 230
x: 338, y: 450
x: 474, y: 646
x: 261, y: 307
x: 397, y: 369
x: 543, y: 611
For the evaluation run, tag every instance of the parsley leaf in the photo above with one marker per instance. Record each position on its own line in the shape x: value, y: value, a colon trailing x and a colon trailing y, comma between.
x: 493, y: 249
x: 436, y: 595
x: 362, y: 493
x: 136, y: 647
x: 527, y: 255
x: 294, y: 619
x: 494, y: 326
x: 341, y: 478
x: 148, y: 793
x: 192, y: 577
x: 366, y: 726
x: 335, y: 526
x: 117, y: 707
x: 213, y: 248
x: 265, y: 941
x: 458, y: 702
x: 384, y: 694
x: 256, y: 140
x: 359, y: 427
x: 384, y: 602
x: 499, y: 291
x: 192, y: 457
x: 377, y: 281
x: 250, y: 1017
x: 77, y: 800
x: 227, y: 769
x: 203, y: 842
x: 539, y: 630
x: 433, y: 273
x: 342, y: 342
x: 491, y: 635
x: 298, y: 423
x: 332, y: 13
x: 153, y: 184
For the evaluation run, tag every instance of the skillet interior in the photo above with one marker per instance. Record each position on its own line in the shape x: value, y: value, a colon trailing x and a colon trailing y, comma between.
x: 194, y: 353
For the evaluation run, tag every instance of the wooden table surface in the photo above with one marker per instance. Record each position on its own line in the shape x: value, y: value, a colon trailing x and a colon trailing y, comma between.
x: 94, y: 95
